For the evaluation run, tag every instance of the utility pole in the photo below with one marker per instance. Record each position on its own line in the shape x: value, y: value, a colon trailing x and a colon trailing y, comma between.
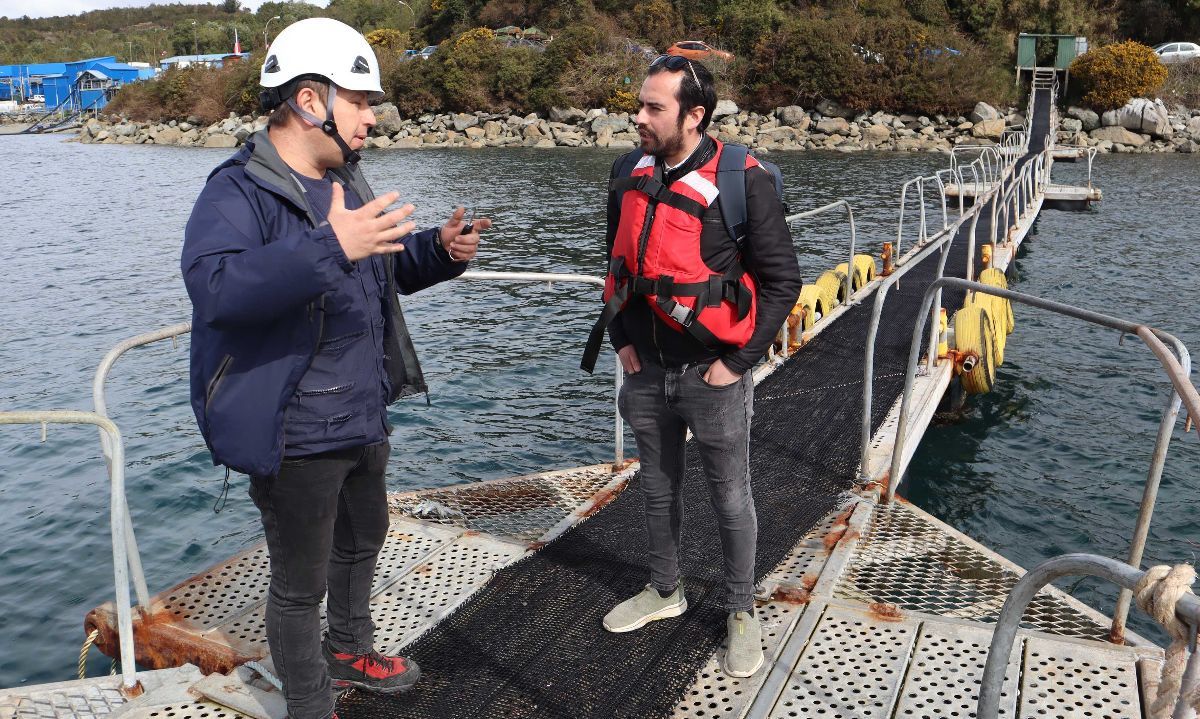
x: 267, y: 43
x: 195, y: 40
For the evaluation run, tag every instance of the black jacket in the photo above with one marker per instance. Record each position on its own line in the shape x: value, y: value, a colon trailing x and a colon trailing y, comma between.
x: 767, y: 253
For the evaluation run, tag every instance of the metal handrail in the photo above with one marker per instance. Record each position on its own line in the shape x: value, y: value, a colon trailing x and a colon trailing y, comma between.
x: 177, y: 330
x: 850, y: 215
x: 922, y: 233
x: 118, y: 519
x: 1187, y: 610
x: 940, y: 241
x: 100, y: 407
x: 1178, y: 368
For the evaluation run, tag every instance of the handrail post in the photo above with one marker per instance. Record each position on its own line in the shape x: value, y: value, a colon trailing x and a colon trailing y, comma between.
x: 118, y: 518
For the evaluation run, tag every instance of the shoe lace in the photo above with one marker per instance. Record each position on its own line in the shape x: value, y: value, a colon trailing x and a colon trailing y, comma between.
x: 374, y: 658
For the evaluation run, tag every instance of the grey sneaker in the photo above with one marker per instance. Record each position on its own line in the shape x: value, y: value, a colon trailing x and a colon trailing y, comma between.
x: 744, y: 655
x: 643, y: 608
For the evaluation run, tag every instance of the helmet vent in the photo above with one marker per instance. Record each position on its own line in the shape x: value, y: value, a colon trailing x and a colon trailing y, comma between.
x: 271, y: 65
x: 360, y: 66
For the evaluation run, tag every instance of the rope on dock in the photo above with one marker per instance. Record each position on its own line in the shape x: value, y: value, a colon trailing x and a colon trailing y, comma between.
x: 1157, y: 594
x: 87, y: 646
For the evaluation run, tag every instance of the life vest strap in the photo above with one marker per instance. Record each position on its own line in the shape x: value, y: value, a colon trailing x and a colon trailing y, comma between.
x: 657, y: 191
x: 596, y: 338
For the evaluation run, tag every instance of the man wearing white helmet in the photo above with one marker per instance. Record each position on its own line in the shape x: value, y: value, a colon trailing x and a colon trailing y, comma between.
x: 293, y: 267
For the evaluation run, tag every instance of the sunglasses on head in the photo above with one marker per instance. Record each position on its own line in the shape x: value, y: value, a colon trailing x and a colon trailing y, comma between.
x: 675, y: 63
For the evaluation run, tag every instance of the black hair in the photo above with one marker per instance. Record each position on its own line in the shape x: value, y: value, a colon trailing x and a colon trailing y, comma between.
x: 695, y: 90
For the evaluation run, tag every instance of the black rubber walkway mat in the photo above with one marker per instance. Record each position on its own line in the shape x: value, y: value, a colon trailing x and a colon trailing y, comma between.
x: 530, y: 643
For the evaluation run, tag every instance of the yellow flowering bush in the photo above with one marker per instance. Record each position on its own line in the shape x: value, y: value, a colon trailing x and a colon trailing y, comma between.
x: 1114, y: 74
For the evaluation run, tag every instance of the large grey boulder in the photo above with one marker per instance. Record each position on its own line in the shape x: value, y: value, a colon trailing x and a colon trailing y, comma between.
x: 387, y: 120
x: 724, y: 108
x: 1193, y: 128
x: 167, y: 136
x: 988, y: 129
x: 1142, y: 115
x: 1071, y: 124
x: 792, y: 115
x: 1089, y: 119
x: 567, y: 114
x: 225, y: 141
x: 877, y: 133
x: 1118, y: 136
x: 833, y: 126
x: 830, y: 108
x: 983, y: 112
x: 615, y: 123
x: 462, y: 121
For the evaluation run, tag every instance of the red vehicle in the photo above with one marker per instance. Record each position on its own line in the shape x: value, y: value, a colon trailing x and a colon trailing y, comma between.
x: 697, y: 50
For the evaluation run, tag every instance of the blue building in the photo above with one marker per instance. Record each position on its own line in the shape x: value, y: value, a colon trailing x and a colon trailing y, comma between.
x: 69, y: 86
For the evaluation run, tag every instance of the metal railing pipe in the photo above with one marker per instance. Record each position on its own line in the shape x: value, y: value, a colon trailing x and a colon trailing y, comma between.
x: 118, y: 518
x: 853, y: 239
x: 1187, y: 609
x: 100, y: 406
x: 1177, y: 369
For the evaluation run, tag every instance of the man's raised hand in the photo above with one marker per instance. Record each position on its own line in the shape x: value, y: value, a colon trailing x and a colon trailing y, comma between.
x: 462, y: 247
x: 368, y: 231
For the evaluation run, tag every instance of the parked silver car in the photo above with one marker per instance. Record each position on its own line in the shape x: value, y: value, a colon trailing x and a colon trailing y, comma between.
x: 1173, y: 52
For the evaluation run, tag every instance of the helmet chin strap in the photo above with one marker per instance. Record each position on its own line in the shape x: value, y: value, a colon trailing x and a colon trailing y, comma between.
x: 328, y: 126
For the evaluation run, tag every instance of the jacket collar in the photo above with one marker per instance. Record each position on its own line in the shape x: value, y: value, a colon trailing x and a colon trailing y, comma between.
x: 266, y: 168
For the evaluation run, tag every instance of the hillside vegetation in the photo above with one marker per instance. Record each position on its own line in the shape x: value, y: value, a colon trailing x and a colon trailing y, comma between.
x: 928, y: 56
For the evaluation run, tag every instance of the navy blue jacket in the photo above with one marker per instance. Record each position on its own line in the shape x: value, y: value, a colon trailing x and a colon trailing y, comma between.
x: 258, y: 263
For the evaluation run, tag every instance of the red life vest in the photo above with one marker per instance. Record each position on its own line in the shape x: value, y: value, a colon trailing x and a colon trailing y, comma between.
x: 656, y: 254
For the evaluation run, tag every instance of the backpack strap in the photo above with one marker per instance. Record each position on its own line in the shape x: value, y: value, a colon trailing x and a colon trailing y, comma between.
x: 731, y: 189
x: 622, y: 168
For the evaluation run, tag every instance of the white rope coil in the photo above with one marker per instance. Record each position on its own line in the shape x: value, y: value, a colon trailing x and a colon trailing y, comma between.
x: 1157, y: 594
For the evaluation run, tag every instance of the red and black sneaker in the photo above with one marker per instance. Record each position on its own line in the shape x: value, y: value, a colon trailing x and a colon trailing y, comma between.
x: 372, y: 672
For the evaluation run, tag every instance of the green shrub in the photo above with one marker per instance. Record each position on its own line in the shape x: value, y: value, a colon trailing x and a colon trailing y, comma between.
x: 515, y: 71
x: 1112, y: 75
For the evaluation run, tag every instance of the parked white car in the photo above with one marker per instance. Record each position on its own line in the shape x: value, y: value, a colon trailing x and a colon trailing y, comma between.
x: 1173, y: 52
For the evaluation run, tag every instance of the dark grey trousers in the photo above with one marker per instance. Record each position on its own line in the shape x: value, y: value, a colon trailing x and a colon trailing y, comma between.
x: 325, y: 518
x: 660, y: 405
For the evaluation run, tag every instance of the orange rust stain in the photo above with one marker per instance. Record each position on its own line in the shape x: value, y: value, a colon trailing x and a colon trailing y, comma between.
x: 602, y: 498
x: 791, y: 595
x: 809, y: 581
x: 423, y: 569
x: 885, y: 612
x: 471, y: 533
x: 162, y: 640
x: 840, y: 523
x: 535, y: 546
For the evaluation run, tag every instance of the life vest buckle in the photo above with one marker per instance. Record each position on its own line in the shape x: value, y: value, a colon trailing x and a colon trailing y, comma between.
x: 680, y: 313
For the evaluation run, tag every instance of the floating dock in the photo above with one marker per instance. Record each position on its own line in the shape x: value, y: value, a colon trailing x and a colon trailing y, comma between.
x: 870, y: 606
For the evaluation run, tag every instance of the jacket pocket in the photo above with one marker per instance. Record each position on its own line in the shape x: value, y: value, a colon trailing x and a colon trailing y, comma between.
x: 334, y: 345
x: 215, y: 383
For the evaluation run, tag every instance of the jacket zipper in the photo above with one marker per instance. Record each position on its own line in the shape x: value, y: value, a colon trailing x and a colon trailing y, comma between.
x: 216, y: 380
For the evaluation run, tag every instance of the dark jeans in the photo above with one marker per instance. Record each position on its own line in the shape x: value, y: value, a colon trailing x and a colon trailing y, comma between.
x: 325, y: 518
x: 660, y: 405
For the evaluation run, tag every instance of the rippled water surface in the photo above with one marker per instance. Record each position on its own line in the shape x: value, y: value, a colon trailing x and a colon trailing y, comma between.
x: 90, y: 236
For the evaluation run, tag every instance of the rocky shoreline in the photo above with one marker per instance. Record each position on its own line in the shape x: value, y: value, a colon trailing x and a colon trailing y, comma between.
x: 828, y: 127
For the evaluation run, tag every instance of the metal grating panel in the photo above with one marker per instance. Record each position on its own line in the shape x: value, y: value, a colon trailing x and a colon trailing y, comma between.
x: 1074, y: 681
x: 803, y: 565
x: 209, y: 599
x: 911, y: 563
x: 851, y: 668
x: 87, y: 700
x: 523, y: 507
x: 422, y: 597
x: 943, y: 676
x: 407, y: 544
x: 194, y: 710
x: 714, y: 694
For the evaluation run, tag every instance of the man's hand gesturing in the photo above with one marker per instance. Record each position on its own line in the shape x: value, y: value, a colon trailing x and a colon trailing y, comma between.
x: 366, y: 231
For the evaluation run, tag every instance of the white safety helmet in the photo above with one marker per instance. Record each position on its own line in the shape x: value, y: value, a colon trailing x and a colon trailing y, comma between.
x: 321, y: 47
